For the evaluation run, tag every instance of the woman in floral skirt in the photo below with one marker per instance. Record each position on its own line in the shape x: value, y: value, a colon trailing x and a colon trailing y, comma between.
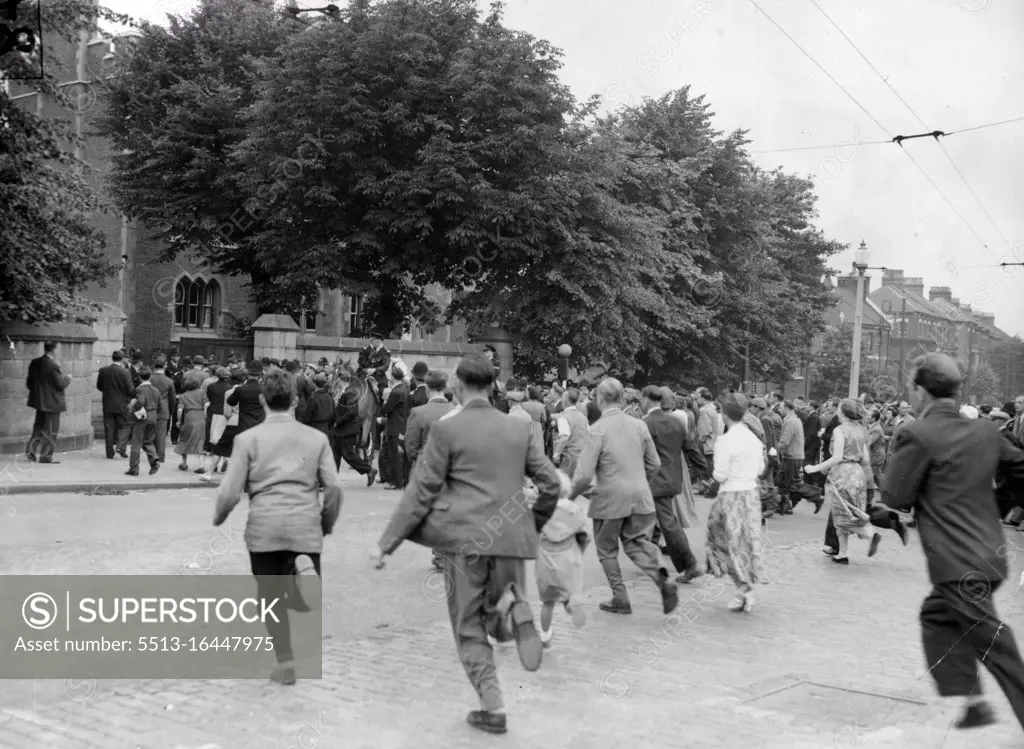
x: 846, y: 489
x: 735, y: 546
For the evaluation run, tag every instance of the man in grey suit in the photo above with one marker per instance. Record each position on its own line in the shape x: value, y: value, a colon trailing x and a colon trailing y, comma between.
x: 943, y: 467
x: 465, y: 499
x: 622, y: 455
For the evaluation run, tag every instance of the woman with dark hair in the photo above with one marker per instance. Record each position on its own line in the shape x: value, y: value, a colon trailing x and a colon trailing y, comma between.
x: 225, y: 441
x: 846, y: 489
x: 734, y: 542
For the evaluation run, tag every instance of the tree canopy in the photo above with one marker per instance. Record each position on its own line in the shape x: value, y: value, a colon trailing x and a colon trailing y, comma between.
x: 50, y: 252
x: 416, y: 142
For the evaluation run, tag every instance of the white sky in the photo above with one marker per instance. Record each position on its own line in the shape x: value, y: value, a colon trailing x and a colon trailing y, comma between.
x: 958, y: 63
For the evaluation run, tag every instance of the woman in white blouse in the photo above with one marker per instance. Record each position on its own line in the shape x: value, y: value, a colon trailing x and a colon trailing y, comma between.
x: 735, y: 546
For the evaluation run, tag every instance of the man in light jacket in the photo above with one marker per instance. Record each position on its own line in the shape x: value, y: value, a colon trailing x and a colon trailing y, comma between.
x: 622, y: 456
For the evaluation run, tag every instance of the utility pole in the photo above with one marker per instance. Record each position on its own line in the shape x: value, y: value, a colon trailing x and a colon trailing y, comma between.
x: 903, y: 332
x: 861, y: 258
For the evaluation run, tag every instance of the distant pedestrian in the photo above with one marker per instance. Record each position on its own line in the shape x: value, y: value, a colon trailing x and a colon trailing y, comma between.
x: 192, y: 417
x: 168, y: 404
x: 46, y: 385
x: 115, y: 384
x: 224, y: 440
x: 144, y: 413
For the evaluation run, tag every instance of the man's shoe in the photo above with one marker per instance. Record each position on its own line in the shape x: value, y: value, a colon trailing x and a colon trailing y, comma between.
x: 829, y: 551
x: 978, y: 715
x: 31, y: 457
x: 49, y: 461
x: 131, y: 473
x: 875, y: 540
x: 528, y: 642
x: 901, y: 530
x: 154, y: 467
x: 841, y: 560
x: 488, y: 722
x: 818, y: 504
x: 122, y: 455
x: 616, y: 607
x: 690, y: 575
x: 283, y: 675
x: 371, y: 477
x: 669, y: 592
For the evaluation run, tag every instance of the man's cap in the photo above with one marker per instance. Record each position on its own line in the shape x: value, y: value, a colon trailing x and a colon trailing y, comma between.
x: 512, y: 383
x: 255, y: 367
x: 759, y: 402
x: 397, y: 372
x: 137, y: 356
x: 275, y: 363
x: 199, y: 360
x: 320, y: 379
x: 420, y: 369
x: 436, y: 380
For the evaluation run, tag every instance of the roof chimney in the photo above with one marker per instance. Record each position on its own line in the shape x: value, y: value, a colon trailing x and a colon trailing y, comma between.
x: 940, y: 292
x: 988, y: 319
x: 892, y: 277
x: 914, y: 284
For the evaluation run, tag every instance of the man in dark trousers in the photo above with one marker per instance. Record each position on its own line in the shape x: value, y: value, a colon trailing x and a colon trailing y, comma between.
x: 143, y: 413
x: 319, y: 410
x: 472, y: 471
x: 811, y: 422
x: 46, y: 385
x: 247, y: 398
x: 943, y: 467
x: 114, y: 382
x: 420, y: 394
x: 396, y: 411
x: 348, y: 431
x: 168, y: 404
x: 669, y: 435
x: 375, y: 360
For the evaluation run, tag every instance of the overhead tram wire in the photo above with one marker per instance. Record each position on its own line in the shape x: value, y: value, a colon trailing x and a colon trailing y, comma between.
x: 937, y: 134
x: 852, y: 98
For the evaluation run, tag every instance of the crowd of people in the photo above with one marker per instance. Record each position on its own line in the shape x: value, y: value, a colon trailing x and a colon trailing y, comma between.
x: 492, y: 471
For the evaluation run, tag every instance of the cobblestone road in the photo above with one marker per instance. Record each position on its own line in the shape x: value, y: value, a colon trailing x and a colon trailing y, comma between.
x: 829, y: 658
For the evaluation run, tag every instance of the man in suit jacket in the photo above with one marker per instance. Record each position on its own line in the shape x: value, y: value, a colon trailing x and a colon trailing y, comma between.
x: 943, y: 466
x: 114, y: 382
x: 168, y: 404
x: 669, y: 435
x: 144, y: 431
x: 376, y: 361
x: 46, y: 385
x: 247, y: 398
x: 396, y: 411
x: 470, y: 474
x: 422, y: 417
x: 347, y: 431
x: 622, y: 456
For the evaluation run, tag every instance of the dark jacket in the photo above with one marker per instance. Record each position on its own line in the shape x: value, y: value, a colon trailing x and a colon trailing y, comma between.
x: 304, y: 389
x: 346, y: 415
x: 147, y: 396
x: 215, y: 394
x: 943, y: 466
x: 378, y: 361
x: 320, y: 411
x: 826, y: 438
x: 168, y: 399
x: 115, y: 383
x: 396, y: 409
x: 134, y: 374
x: 1009, y: 493
x: 247, y: 397
x: 46, y: 385
x: 669, y: 434
x: 419, y: 396
x: 812, y: 442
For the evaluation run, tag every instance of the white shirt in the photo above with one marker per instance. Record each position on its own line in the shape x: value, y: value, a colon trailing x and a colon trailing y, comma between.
x: 739, y: 459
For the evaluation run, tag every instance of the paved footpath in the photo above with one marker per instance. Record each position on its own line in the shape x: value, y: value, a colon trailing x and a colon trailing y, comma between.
x: 830, y: 657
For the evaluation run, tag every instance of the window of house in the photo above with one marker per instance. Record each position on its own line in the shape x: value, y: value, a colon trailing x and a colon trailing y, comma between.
x: 353, y: 313
x: 196, y: 304
x: 309, y: 312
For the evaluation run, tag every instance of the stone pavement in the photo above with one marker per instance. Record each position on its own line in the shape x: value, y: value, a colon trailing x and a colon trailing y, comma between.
x: 830, y: 657
x: 89, y: 471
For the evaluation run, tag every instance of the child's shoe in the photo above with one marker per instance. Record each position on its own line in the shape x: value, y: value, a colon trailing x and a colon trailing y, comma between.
x: 579, y: 616
x: 545, y: 636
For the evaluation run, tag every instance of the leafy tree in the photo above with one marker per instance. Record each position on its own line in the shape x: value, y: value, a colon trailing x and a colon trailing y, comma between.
x: 49, y: 250
x: 832, y: 370
x: 1007, y: 360
x: 982, y: 384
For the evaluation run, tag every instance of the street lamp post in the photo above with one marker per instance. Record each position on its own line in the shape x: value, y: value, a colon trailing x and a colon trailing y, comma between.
x: 861, y: 258
x: 564, y: 352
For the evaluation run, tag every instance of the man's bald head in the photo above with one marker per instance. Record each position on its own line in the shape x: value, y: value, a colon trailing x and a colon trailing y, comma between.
x: 611, y: 392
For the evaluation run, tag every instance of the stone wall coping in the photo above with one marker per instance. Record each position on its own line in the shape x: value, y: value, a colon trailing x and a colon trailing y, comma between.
x: 275, y: 322
x: 426, y: 348
x: 64, y: 332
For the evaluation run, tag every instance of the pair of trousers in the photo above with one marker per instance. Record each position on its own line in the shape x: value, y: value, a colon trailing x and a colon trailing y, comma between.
x: 634, y: 533
x: 474, y: 585
x: 347, y: 449
x: 44, y: 435
x: 672, y: 532
x: 116, y: 433
x: 275, y: 578
x: 790, y: 476
x: 397, y: 473
x: 959, y: 628
x: 143, y: 440
x: 160, y: 439
x: 881, y: 517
